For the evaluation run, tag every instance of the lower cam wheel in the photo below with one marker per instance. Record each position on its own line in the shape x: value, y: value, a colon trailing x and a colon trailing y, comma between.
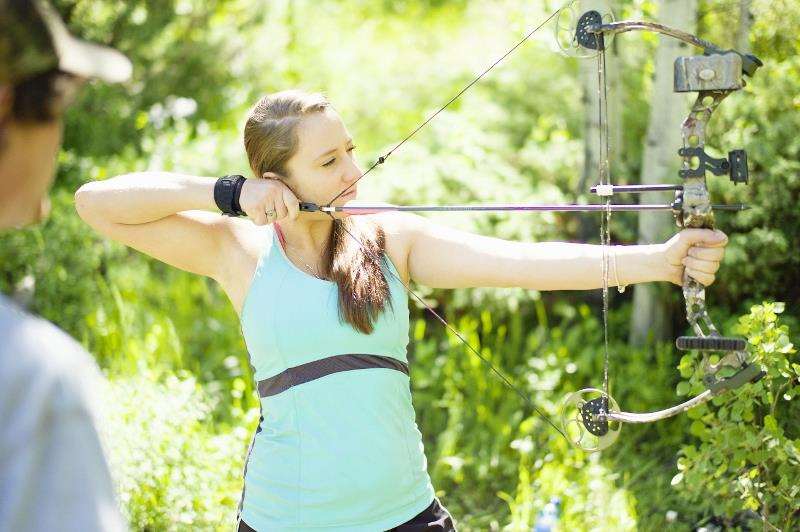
x: 583, y: 420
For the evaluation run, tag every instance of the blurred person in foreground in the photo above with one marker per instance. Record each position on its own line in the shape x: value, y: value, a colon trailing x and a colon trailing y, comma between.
x: 53, y: 471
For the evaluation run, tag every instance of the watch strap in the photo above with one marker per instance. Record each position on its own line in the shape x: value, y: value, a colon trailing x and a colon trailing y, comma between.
x: 227, y: 190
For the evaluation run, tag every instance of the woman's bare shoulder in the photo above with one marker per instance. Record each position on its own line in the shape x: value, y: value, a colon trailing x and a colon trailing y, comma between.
x: 399, y: 229
x: 400, y: 225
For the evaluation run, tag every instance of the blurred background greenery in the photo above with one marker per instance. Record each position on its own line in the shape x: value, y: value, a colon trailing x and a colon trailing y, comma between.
x: 181, y: 408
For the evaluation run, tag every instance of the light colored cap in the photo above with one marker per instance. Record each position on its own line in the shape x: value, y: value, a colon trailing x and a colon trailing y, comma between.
x: 38, y: 40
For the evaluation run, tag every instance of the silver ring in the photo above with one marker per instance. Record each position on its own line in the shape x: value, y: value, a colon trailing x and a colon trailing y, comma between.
x: 270, y: 214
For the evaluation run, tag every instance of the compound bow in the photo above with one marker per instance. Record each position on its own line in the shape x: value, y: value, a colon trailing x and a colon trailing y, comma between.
x: 591, y: 418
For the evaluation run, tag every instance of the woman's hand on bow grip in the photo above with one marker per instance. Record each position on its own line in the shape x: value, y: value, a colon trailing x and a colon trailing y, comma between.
x: 268, y: 200
x: 698, y: 252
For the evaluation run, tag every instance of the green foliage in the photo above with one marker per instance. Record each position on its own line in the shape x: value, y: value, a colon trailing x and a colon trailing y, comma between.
x: 51, y: 267
x: 764, y: 118
x: 185, y: 48
x: 493, y: 460
x: 174, y: 468
x: 748, y: 446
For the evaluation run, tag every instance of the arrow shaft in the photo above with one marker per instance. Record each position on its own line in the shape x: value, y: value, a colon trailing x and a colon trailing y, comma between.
x: 501, y: 207
x: 494, y: 208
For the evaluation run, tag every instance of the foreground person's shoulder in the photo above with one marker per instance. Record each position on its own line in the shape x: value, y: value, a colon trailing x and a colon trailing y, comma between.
x: 41, y: 358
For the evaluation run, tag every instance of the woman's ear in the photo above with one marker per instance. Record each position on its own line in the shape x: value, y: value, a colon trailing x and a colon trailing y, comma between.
x: 273, y: 175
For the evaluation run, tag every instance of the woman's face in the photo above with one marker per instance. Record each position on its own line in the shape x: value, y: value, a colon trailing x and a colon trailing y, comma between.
x: 324, y: 164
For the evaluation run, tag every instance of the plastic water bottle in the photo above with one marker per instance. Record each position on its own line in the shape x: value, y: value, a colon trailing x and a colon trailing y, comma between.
x: 547, y: 518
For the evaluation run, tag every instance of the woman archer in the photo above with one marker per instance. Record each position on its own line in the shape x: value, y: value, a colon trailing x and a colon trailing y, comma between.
x: 324, y: 312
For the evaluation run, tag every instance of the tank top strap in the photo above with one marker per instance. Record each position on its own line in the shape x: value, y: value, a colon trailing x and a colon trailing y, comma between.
x: 279, y: 233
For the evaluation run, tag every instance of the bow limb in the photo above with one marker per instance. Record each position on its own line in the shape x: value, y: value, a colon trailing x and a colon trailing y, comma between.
x: 649, y: 417
x: 624, y: 26
x: 748, y: 373
x: 590, y: 27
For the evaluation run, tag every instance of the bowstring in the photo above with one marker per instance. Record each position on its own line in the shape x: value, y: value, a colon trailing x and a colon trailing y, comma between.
x: 604, y: 172
x: 382, y: 158
x: 455, y: 331
x: 605, y: 219
x: 506, y: 381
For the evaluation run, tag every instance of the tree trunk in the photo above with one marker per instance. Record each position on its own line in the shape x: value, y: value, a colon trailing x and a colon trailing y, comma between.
x: 660, y: 164
x: 743, y: 32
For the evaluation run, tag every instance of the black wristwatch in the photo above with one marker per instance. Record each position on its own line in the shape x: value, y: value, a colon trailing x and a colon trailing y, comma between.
x: 227, y: 190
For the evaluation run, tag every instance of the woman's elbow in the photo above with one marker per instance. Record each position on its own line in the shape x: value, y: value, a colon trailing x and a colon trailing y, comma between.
x: 87, y: 200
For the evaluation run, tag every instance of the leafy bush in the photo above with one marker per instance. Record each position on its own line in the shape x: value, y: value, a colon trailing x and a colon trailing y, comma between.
x: 492, y: 459
x: 748, y: 449
x: 174, y: 468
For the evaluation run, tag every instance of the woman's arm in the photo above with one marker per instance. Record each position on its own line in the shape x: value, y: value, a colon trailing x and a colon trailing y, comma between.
x: 174, y: 218
x: 161, y: 214
x: 143, y: 197
x: 441, y: 257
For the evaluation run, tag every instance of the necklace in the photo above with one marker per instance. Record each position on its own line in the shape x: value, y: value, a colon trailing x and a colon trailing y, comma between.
x: 311, y: 270
x: 286, y: 248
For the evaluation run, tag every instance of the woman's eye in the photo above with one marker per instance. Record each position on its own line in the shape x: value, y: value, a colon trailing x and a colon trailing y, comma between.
x: 349, y: 150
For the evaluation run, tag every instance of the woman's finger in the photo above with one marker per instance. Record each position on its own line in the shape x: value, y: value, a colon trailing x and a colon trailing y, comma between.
x: 258, y: 218
x: 292, y: 203
x: 281, y: 211
x: 709, y: 238
x: 701, y: 277
x: 268, y: 210
x: 703, y: 253
x: 706, y: 266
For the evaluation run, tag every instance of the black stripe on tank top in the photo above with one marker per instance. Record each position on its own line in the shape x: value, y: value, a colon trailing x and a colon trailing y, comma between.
x: 325, y: 366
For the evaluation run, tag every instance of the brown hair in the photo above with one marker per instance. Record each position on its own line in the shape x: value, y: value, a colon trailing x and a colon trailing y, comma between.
x: 32, y: 101
x: 270, y: 140
x: 34, y: 98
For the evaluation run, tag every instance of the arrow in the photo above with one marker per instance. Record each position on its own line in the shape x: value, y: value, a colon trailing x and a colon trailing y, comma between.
x: 372, y: 208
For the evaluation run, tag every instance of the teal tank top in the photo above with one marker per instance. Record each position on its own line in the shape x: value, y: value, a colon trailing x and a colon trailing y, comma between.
x: 338, y: 452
